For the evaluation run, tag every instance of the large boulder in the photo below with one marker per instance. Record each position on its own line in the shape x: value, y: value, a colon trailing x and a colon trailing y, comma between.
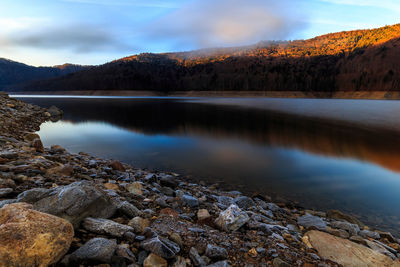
x: 345, y: 252
x: 73, y: 202
x: 32, y: 238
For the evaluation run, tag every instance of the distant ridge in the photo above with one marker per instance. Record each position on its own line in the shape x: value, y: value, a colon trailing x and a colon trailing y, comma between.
x: 361, y: 60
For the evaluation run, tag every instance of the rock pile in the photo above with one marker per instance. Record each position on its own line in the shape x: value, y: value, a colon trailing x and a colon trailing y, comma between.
x: 78, y: 210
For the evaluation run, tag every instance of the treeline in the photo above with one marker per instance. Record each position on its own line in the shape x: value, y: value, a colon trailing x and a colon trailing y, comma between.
x: 355, y: 60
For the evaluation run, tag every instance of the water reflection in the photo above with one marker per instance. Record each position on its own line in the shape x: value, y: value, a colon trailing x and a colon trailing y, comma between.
x: 319, y: 164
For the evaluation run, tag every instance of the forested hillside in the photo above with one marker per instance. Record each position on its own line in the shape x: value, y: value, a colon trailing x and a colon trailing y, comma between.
x: 364, y: 60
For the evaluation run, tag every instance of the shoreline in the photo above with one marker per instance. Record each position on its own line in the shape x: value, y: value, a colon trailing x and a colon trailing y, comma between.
x: 146, y: 217
x: 373, y: 95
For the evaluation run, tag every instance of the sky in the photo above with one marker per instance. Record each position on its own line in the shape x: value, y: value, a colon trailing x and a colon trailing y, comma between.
x: 91, y: 32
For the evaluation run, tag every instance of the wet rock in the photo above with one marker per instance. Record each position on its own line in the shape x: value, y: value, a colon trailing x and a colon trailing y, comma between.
x: 154, y: 260
x: 74, y: 202
x: 165, y: 248
x: 139, y: 224
x: 32, y: 238
x: 244, y: 202
x: 216, y: 253
x: 353, y: 229
x: 370, y: 234
x: 5, y: 192
x: 346, y: 252
x: 107, y: 227
x: 232, y: 219
x: 195, y: 257
x: 337, y: 215
x: 190, y: 201
x: 116, y: 165
x: 95, y: 251
x: 309, y: 222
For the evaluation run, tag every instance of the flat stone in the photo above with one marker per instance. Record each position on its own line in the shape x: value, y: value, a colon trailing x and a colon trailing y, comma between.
x: 96, y: 250
x: 32, y: 238
x: 309, y: 222
x: 345, y: 252
x: 231, y: 219
x: 107, y: 227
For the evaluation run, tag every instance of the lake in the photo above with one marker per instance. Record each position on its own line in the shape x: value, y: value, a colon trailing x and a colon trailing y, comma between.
x: 319, y: 154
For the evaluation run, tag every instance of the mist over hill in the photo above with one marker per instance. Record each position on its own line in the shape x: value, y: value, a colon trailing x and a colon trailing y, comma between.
x: 362, y: 60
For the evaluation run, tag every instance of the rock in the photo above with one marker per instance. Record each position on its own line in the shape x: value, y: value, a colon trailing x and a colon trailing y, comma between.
x: 129, y: 209
x: 180, y: 262
x: 135, y: 188
x: 358, y: 239
x: 190, y: 201
x: 244, y: 202
x: 195, y: 257
x: 116, y: 165
x: 337, y: 215
x: 74, y: 202
x: 232, y: 219
x: 370, y: 234
x: 164, y: 248
x: 175, y: 237
x: 29, y: 137
x: 353, y: 229
x: 346, y: 252
x: 94, y: 251
x: 216, y: 253
x: 57, y: 149
x: 124, y: 252
x: 32, y: 238
x: 387, y: 235
x: 220, y: 264
x: 33, y: 195
x: 6, y: 202
x: 311, y: 222
x: 54, y: 111
x: 203, y: 215
x: 168, y: 181
x: 5, y: 192
x: 107, y: 227
x: 154, y: 260
x: 139, y: 224
x: 37, y: 145
x: 277, y: 262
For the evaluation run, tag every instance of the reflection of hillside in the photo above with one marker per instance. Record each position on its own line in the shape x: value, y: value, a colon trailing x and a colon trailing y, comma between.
x: 255, y: 126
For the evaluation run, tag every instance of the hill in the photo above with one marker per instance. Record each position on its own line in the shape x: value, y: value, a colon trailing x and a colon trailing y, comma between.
x: 362, y: 60
x: 14, y: 74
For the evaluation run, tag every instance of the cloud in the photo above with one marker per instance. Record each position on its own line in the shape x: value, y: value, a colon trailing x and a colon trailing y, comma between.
x: 139, y: 3
x: 79, y: 38
x: 205, y: 23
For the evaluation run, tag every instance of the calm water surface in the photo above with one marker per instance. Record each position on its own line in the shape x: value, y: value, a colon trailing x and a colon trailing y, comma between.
x: 322, y: 154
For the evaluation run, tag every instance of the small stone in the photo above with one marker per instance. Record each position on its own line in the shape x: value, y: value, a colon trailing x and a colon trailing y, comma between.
x: 311, y: 222
x: 190, y: 201
x: 104, y: 226
x: 203, y: 214
x: 370, y: 234
x: 180, y: 262
x: 129, y: 209
x: 216, y: 253
x: 277, y: 262
x: 232, y: 219
x: 37, y: 145
x: 5, y: 192
x: 220, y: 264
x: 154, y: 260
x: 111, y: 186
x: 176, y: 238
x: 96, y: 250
x: 195, y: 257
x: 116, y: 165
x: 135, y: 188
x: 162, y: 247
x: 57, y: 149
x: 139, y: 224
x: 124, y: 252
x: 244, y: 202
x: 29, y: 137
x: 253, y: 253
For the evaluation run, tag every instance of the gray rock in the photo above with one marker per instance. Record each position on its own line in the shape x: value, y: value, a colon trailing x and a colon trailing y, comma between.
x: 6, y: 202
x: 33, y: 195
x: 190, y: 201
x: 5, y: 192
x: 179, y: 262
x: 353, y: 229
x: 231, y: 219
x: 195, y: 258
x: 216, y: 253
x: 104, y: 226
x: 129, y: 209
x: 73, y: 202
x: 161, y: 246
x: 371, y: 234
x: 309, y: 221
x: 220, y: 264
x: 124, y: 252
x: 168, y: 181
x: 224, y: 201
x: 96, y: 250
x: 244, y: 202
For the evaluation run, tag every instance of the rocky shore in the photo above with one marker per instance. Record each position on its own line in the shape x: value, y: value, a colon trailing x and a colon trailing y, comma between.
x: 64, y: 209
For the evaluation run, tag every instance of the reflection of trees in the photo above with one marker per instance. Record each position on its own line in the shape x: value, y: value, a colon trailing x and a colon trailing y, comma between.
x: 255, y: 126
